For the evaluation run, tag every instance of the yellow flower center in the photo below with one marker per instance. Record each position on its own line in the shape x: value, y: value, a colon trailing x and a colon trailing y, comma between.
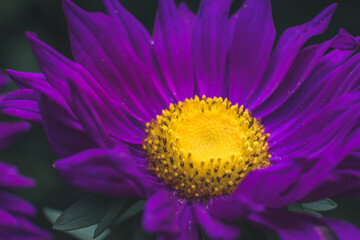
x: 203, y: 148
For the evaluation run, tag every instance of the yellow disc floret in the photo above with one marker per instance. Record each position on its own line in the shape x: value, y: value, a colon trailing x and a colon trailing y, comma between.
x: 203, y: 148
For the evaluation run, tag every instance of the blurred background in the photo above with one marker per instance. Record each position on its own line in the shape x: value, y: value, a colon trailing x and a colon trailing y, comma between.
x: 32, y: 154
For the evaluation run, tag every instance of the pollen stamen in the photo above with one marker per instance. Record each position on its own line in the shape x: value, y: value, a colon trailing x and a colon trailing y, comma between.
x: 203, y: 148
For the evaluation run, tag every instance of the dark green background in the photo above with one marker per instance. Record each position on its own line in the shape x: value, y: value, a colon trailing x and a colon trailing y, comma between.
x: 45, y: 17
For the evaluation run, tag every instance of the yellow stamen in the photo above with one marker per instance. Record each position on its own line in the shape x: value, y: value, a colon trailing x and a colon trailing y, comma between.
x: 204, y: 147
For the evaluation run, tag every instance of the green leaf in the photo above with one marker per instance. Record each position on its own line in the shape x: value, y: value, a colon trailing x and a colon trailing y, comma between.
x: 114, y: 211
x: 51, y: 214
x: 122, y: 231
x: 132, y: 211
x: 321, y: 205
x: 84, y: 213
x: 138, y: 232
x: 312, y: 212
x: 298, y: 207
x: 81, y: 234
x: 130, y: 229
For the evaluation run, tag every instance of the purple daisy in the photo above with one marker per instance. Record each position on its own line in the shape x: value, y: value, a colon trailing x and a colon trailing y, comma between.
x: 174, y: 118
x: 15, y: 212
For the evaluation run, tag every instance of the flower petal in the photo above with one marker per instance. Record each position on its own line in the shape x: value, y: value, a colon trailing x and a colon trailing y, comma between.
x: 111, y: 172
x: 287, y: 225
x: 187, y: 15
x: 252, y: 42
x: 342, y: 229
x: 303, y: 64
x: 97, y: 44
x: 3, y: 80
x: 321, y: 129
x: 37, y: 81
x: 11, y: 179
x: 64, y: 132
x: 16, y: 205
x: 345, y: 41
x: 101, y: 117
x: 234, y: 207
x: 6, y: 219
x: 172, y: 45
x: 160, y: 215
x: 59, y: 69
x: 285, y: 52
x: 24, y: 230
x: 135, y: 32
x: 9, y: 132
x: 213, y: 227
x: 210, y: 46
x: 324, y: 67
x: 324, y: 169
x: 22, y: 104
x: 189, y: 230
x: 141, y: 43
x: 264, y: 186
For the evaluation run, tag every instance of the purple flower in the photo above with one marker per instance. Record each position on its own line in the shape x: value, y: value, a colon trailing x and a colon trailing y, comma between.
x: 126, y: 118
x: 15, y: 212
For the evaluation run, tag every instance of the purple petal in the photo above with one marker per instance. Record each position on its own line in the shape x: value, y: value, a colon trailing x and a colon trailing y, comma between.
x: 345, y: 167
x: 64, y: 132
x: 189, y: 228
x: 287, y: 225
x: 265, y: 186
x: 342, y: 229
x: 326, y: 169
x: 303, y: 64
x: 57, y: 68
x: 313, y: 180
x: 344, y: 183
x: 213, y: 227
x: 172, y: 45
x: 11, y: 179
x: 285, y: 52
x: 97, y: 44
x: 160, y: 215
x: 321, y: 129
x: 111, y: 172
x: 288, y: 110
x: 187, y: 15
x: 16, y: 205
x: 141, y: 43
x: 327, y: 90
x: 234, y: 207
x: 37, y: 81
x: 9, y: 132
x: 22, y: 104
x: 24, y: 230
x: 135, y: 33
x: 209, y: 46
x: 90, y: 103
x: 6, y: 219
x: 345, y: 41
x: 252, y: 42
x: 3, y: 80
x: 334, y: 85
x: 90, y: 117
